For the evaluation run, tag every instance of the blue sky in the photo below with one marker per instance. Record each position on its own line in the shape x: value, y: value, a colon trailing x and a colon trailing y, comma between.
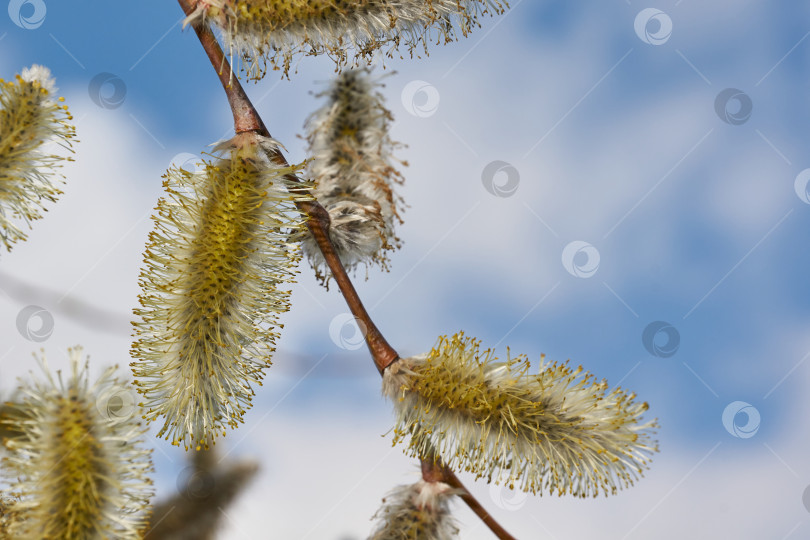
x: 617, y: 143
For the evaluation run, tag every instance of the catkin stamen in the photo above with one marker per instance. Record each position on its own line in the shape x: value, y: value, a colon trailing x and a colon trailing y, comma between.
x: 31, y: 117
x: 212, y: 290
x: 77, y: 463
x: 558, y: 431
x: 274, y: 32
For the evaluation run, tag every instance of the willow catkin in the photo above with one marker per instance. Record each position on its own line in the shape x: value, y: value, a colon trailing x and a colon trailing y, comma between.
x: 348, y: 31
x: 559, y: 431
x: 351, y: 165
x: 212, y: 290
x: 419, y: 511
x: 199, y: 509
x: 31, y: 116
x: 78, y: 463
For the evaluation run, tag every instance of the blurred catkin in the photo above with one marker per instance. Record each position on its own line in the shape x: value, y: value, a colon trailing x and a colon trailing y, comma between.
x: 559, y: 431
x: 78, y: 464
x: 30, y: 118
x: 351, y: 164
x: 348, y: 31
x: 212, y: 291
x: 419, y: 511
x: 207, y: 488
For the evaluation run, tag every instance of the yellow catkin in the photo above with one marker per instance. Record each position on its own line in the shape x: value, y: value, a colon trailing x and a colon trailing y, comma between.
x: 276, y: 31
x: 212, y: 290
x: 78, y: 464
x: 30, y: 118
x: 559, y: 431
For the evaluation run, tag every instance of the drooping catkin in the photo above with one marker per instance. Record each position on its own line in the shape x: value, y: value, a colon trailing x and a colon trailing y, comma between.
x: 419, y: 511
x: 559, y: 431
x: 30, y: 118
x: 351, y: 164
x: 349, y: 31
x: 78, y: 463
x: 212, y: 290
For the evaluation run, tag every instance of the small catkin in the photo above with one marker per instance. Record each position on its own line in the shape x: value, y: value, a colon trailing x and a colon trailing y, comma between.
x: 419, y: 511
x: 559, y: 431
x: 31, y: 117
x: 351, y: 165
x: 212, y: 289
x: 274, y: 32
x: 78, y: 464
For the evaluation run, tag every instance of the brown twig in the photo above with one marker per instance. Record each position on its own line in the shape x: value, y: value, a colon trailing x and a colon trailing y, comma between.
x: 381, y: 352
x: 436, y: 471
x: 246, y: 118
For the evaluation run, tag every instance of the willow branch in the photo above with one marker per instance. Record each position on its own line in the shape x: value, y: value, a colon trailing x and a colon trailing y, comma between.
x: 436, y: 471
x: 381, y: 352
x: 246, y: 118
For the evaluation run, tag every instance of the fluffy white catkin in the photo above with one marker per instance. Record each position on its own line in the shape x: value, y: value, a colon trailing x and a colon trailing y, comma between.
x: 78, y: 461
x: 351, y: 165
x: 213, y: 289
x: 348, y: 31
x: 419, y: 511
x: 559, y: 431
x: 31, y: 116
